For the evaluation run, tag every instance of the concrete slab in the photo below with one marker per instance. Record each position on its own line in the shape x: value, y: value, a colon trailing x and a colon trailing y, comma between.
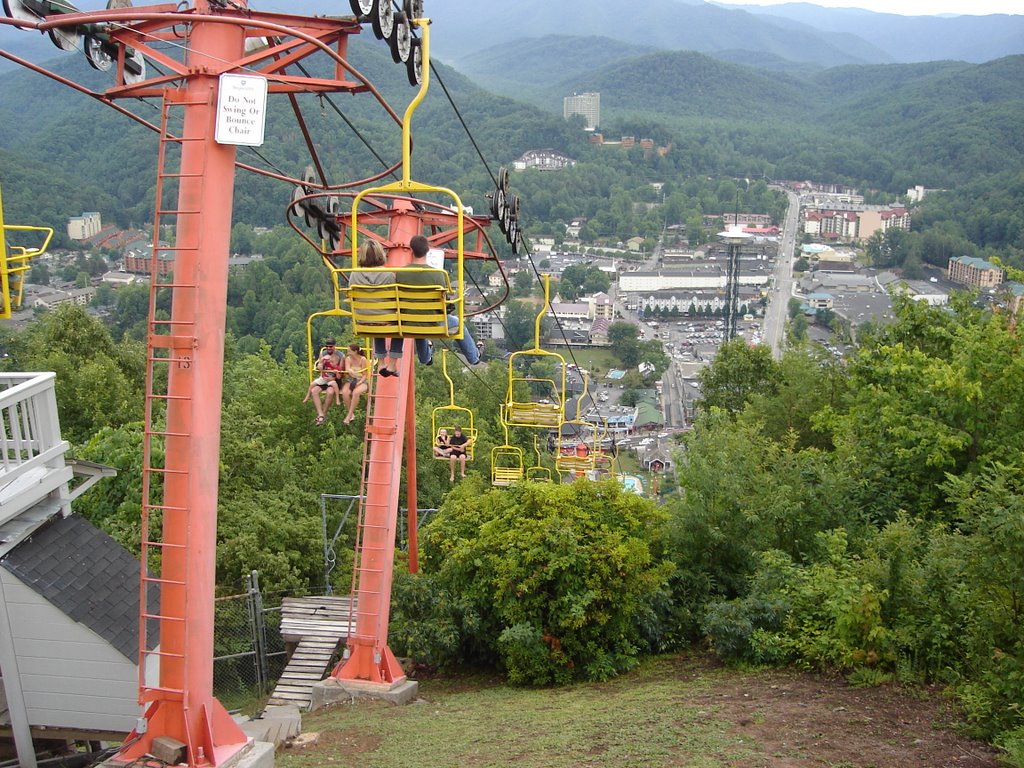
x: 255, y: 754
x: 332, y: 690
x: 276, y: 724
x: 260, y: 754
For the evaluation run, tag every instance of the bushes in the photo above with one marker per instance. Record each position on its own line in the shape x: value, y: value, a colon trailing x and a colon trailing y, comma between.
x: 559, y: 579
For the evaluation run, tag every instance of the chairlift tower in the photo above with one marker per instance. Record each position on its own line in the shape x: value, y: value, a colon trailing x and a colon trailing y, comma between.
x: 197, y: 48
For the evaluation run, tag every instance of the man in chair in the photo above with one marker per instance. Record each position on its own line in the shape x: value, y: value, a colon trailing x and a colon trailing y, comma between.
x: 427, y: 275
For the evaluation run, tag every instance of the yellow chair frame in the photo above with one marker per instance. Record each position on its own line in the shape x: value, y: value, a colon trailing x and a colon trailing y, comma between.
x: 538, y: 473
x: 506, y: 463
x: 398, y: 309
x: 389, y: 310
x: 14, y: 263
x: 573, y: 462
x: 525, y: 413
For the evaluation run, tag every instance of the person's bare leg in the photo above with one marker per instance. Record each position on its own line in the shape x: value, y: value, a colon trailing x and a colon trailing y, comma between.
x: 462, y: 461
x: 332, y: 396
x: 451, y: 466
x: 354, y: 402
x: 319, y: 405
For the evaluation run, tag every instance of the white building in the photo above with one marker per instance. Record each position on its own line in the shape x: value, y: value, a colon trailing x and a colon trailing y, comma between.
x: 69, y: 594
x: 49, y: 299
x: 647, y: 282
x: 588, y: 105
x: 85, y: 226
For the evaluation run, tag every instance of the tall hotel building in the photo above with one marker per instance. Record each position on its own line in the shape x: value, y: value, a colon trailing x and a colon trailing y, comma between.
x: 586, y: 104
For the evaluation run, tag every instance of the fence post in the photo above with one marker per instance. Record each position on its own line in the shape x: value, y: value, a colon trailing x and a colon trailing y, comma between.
x: 259, y: 631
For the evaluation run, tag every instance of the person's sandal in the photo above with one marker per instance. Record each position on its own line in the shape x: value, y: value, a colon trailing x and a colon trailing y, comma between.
x: 319, y: 420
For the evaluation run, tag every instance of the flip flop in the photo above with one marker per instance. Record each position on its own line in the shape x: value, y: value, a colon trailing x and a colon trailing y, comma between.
x: 319, y: 420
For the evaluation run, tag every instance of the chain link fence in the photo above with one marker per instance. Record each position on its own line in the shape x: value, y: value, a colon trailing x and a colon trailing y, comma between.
x: 249, y: 653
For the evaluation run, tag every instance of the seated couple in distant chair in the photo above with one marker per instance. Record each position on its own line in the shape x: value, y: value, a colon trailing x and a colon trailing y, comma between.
x: 454, y: 447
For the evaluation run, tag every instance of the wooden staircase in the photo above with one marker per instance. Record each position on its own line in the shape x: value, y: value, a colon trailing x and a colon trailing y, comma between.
x: 317, y: 624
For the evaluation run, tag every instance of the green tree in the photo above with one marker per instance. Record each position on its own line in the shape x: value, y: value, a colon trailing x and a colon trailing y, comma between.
x: 558, y: 579
x: 519, y: 325
x: 99, y: 383
x: 621, y: 332
x: 738, y: 373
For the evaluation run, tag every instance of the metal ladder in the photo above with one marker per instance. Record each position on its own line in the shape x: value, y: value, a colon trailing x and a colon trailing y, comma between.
x: 379, y: 451
x: 169, y: 344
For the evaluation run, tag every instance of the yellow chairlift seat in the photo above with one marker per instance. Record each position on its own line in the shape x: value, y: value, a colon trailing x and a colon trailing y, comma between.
x: 401, y: 309
x: 584, y: 455
x: 584, y: 451
x: 450, y: 416
x: 535, y: 414
x: 506, y: 465
x: 506, y: 462
x: 538, y: 473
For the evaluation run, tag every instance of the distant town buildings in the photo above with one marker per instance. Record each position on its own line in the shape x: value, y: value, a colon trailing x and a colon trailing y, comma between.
x: 916, y: 193
x: 50, y: 298
x: 854, y: 222
x: 137, y: 260
x: 587, y: 105
x: 543, y: 160
x: 976, y: 273
x: 85, y: 226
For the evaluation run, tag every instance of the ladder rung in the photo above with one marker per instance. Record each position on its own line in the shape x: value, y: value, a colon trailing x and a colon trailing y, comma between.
x: 164, y: 508
x: 171, y: 285
x: 153, y: 580
x: 162, y: 694
x: 165, y: 653
x: 158, y: 396
x: 176, y: 212
x: 161, y: 617
x: 163, y: 341
x: 163, y: 545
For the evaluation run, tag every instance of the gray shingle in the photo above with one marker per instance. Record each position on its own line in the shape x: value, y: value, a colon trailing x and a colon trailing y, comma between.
x: 87, y: 575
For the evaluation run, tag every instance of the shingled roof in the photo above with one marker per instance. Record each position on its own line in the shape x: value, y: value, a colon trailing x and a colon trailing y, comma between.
x: 87, y: 575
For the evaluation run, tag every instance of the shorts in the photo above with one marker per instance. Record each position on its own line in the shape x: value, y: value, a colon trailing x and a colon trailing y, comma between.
x: 323, y: 383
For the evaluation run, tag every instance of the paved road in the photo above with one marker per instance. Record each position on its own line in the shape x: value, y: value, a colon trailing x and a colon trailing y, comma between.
x: 782, y: 280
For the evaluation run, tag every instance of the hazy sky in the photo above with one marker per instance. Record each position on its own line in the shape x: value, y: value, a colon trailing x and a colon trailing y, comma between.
x: 916, y: 7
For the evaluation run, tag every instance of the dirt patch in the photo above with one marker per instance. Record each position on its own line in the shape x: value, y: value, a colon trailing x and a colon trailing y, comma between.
x: 802, y: 720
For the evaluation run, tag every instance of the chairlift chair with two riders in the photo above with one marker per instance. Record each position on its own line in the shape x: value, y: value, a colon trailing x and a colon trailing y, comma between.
x: 448, y: 417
